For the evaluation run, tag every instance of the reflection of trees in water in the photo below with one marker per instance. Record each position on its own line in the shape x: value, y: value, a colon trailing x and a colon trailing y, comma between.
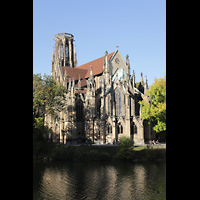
x: 103, y: 181
x: 38, y: 173
x: 156, y: 181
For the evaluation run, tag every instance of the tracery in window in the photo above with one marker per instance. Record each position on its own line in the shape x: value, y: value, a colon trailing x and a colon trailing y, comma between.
x: 120, y: 128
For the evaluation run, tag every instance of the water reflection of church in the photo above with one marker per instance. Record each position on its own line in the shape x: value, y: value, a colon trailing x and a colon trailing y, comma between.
x: 102, y: 98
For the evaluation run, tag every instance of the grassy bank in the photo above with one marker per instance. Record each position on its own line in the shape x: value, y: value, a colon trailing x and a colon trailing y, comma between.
x: 104, y: 153
x: 83, y: 153
x: 43, y: 150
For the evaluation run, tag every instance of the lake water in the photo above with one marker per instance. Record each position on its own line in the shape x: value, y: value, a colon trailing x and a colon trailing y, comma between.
x: 100, y: 180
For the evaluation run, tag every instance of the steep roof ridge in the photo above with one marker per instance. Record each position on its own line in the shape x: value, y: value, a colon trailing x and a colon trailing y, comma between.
x: 110, y: 55
x: 97, y: 65
x: 114, y: 53
x: 93, y: 61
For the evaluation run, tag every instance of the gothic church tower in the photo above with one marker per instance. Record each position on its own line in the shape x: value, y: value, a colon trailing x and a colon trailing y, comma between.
x: 64, y: 54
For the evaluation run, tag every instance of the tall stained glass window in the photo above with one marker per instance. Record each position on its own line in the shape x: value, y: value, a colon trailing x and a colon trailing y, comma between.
x: 118, y: 102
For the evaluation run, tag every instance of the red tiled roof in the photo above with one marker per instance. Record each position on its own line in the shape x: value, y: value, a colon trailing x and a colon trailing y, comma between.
x: 97, y: 65
x: 84, y: 70
x: 83, y: 83
x: 74, y: 72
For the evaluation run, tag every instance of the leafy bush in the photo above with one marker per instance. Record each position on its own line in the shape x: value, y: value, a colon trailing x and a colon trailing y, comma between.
x: 63, y: 153
x: 40, y: 145
x: 125, y: 148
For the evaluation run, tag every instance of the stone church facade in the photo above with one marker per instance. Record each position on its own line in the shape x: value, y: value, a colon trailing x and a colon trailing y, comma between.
x: 102, y: 98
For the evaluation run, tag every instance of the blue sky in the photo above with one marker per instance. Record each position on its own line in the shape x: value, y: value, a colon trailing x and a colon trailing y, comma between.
x: 138, y: 27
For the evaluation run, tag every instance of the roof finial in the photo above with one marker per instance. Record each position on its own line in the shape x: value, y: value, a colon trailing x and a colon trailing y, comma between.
x: 73, y: 83
x: 133, y: 77
x: 91, y: 72
x: 145, y: 85
x: 79, y: 82
x: 106, y: 62
x: 69, y: 85
x: 141, y: 80
x: 146, y: 82
x: 128, y: 64
x: 117, y: 47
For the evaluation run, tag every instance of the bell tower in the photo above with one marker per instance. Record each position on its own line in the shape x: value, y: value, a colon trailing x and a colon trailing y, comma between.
x: 64, y: 50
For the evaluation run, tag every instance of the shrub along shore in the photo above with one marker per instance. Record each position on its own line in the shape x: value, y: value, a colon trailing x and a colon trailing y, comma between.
x: 101, y: 153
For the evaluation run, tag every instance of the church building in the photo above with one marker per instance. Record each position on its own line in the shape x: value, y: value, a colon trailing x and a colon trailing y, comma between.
x: 101, y: 99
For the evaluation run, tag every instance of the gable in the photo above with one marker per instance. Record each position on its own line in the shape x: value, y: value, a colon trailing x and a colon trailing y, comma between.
x: 117, y: 62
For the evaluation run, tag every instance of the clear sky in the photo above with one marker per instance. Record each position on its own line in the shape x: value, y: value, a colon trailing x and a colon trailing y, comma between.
x: 138, y: 27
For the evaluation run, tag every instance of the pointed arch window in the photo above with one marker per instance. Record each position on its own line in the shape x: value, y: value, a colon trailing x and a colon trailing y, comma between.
x: 120, y: 128
x: 61, y: 50
x: 135, y: 129
x: 79, y: 111
x: 118, y: 102
x: 99, y: 107
x: 66, y: 53
x: 109, y: 129
x: 109, y: 105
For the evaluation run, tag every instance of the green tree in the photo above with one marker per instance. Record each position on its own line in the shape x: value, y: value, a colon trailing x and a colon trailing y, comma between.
x: 48, y: 97
x: 154, y: 108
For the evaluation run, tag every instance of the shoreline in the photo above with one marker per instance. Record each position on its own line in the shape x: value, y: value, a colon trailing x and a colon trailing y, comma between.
x: 69, y: 153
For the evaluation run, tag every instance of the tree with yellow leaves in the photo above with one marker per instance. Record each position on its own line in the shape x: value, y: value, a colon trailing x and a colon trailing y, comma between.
x: 155, y: 108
